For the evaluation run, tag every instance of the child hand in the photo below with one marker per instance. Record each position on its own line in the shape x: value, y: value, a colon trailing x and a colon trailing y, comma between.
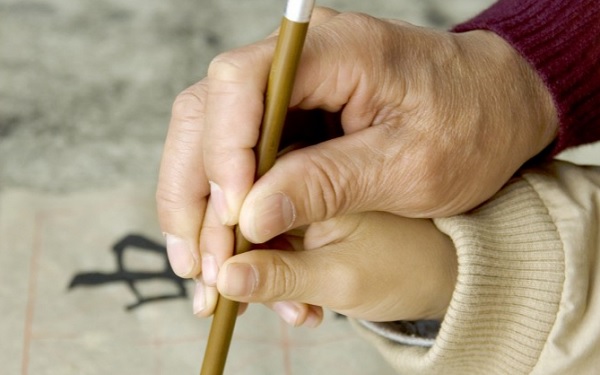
x: 373, y: 266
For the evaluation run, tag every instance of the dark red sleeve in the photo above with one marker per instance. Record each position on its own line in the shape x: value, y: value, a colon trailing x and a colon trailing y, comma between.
x: 561, y: 40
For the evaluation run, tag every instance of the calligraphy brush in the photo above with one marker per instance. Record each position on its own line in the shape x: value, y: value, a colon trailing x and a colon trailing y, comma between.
x: 290, y: 41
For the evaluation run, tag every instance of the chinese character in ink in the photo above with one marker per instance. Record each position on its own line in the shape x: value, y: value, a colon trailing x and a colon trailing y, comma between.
x: 131, y: 278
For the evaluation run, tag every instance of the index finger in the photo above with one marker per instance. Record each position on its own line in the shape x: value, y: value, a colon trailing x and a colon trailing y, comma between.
x: 235, y: 100
x: 237, y: 83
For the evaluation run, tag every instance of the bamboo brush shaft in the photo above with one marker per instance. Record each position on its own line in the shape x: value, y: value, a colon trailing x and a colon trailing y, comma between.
x: 279, y: 91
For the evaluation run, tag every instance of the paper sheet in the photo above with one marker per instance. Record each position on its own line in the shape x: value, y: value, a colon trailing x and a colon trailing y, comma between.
x: 67, y: 307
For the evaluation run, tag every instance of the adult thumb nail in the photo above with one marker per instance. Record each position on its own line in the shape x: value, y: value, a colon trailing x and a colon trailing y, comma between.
x: 273, y: 215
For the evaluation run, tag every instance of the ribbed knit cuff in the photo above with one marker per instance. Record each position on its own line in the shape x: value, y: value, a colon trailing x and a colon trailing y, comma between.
x: 508, y: 291
x: 561, y: 40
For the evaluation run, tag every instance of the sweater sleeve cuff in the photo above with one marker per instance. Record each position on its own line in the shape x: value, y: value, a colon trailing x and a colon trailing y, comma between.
x: 510, y: 280
x: 561, y: 40
x: 418, y: 333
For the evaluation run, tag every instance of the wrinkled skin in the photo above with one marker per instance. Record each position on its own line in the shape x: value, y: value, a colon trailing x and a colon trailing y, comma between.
x: 434, y: 123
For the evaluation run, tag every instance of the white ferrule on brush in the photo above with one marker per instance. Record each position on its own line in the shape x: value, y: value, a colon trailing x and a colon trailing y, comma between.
x: 299, y: 10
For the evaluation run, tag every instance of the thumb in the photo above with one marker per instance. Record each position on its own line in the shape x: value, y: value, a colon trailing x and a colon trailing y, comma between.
x: 343, y: 175
x: 279, y: 275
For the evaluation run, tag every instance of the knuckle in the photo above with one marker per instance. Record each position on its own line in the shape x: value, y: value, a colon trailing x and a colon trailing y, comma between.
x: 186, y: 126
x: 169, y: 198
x: 188, y: 106
x: 321, y: 12
x: 374, y: 28
x: 356, y: 18
x: 327, y: 189
x: 227, y: 66
x: 172, y: 195
x: 342, y: 28
x: 281, y: 279
x: 346, y: 180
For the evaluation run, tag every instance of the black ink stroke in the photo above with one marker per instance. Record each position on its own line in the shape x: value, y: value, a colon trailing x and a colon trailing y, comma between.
x: 131, y: 278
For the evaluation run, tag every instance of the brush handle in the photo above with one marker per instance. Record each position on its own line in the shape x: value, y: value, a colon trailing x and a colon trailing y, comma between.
x: 223, y: 323
x: 279, y: 90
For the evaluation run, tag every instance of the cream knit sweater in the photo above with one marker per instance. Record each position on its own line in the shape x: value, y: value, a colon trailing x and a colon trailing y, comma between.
x: 527, y: 298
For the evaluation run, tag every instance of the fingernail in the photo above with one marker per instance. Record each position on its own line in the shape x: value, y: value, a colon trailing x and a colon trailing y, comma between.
x: 313, y: 320
x: 241, y: 279
x: 210, y: 269
x: 275, y: 213
x: 180, y: 255
x: 288, y: 311
x: 199, y: 303
x: 217, y: 197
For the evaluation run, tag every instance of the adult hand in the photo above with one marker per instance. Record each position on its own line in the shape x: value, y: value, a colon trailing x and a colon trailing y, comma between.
x: 434, y: 124
x: 374, y: 266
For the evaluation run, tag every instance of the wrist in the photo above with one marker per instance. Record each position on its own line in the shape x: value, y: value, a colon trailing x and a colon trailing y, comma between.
x: 516, y: 86
x: 443, y: 272
x: 543, y: 107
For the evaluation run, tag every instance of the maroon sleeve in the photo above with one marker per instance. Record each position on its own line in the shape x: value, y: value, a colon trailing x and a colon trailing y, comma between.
x: 561, y: 40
